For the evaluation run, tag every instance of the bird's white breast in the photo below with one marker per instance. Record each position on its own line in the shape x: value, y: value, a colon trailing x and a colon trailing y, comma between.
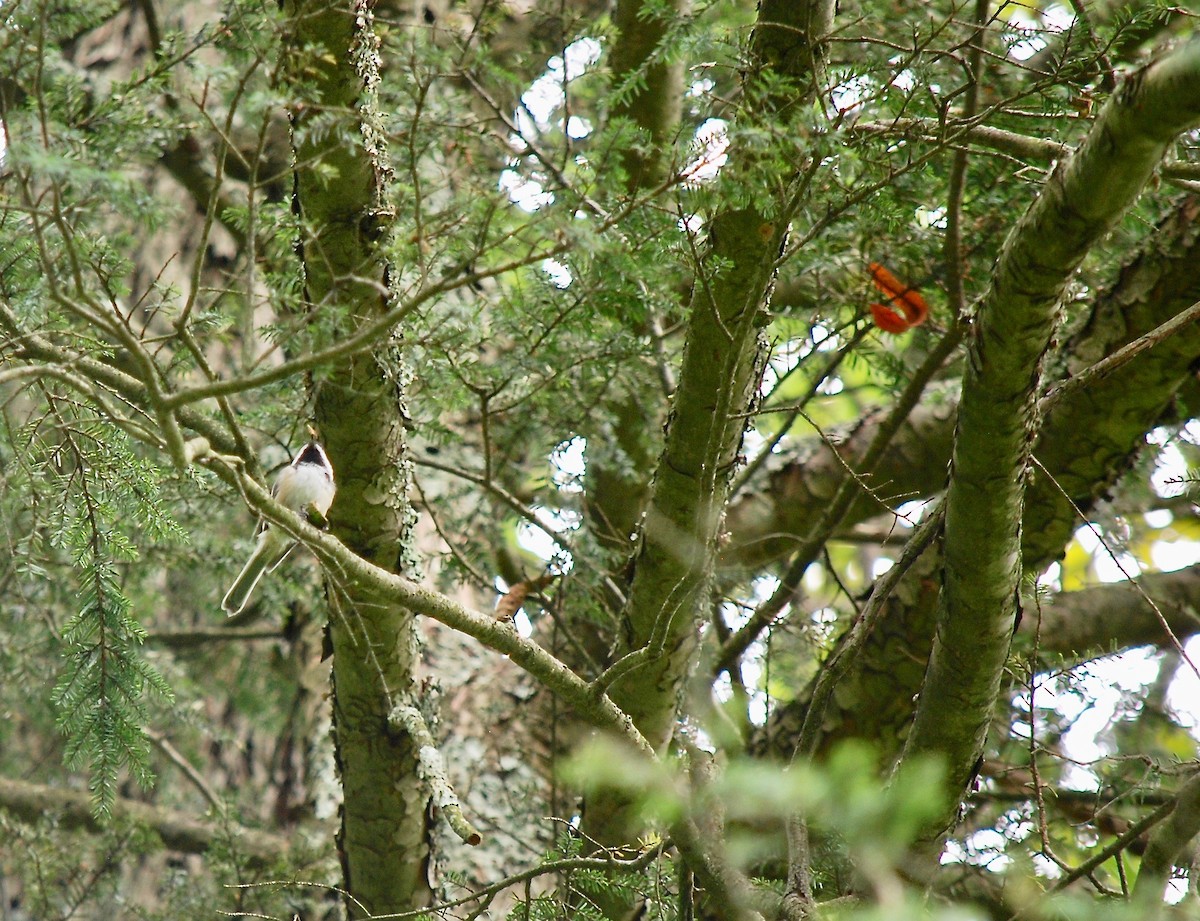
x: 305, y: 485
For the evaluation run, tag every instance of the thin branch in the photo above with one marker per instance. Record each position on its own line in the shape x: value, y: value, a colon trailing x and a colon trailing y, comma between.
x: 431, y: 768
x: 176, y: 757
x: 840, y: 660
x: 1135, y: 831
x: 958, y: 167
x: 485, y: 482
x: 608, y: 863
x: 1121, y: 357
x: 1167, y: 842
x: 793, y: 410
x: 1127, y: 576
x: 368, y: 334
x: 343, y: 565
x: 195, y: 639
x: 1108, y: 79
x: 848, y: 490
x: 132, y: 390
x: 1008, y: 142
x: 179, y: 831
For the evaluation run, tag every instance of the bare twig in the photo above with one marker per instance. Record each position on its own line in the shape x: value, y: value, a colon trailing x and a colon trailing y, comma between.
x: 194, y: 639
x: 608, y: 863
x: 847, y: 492
x: 1121, y: 357
x: 1128, y: 576
x: 1000, y: 140
x: 176, y: 757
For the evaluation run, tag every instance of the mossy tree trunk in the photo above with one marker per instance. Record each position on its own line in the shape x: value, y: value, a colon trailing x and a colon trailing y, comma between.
x: 999, y: 417
x: 341, y: 199
x: 718, y: 382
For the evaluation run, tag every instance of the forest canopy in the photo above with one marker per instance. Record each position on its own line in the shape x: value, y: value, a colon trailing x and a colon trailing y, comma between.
x: 764, y: 436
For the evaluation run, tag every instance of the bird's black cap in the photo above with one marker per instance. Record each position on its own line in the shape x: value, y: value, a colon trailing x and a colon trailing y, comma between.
x: 312, y: 454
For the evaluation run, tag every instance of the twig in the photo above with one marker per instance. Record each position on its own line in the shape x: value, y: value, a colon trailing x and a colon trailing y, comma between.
x: 958, y: 167
x: 1128, y: 577
x: 189, y: 770
x: 998, y: 139
x: 486, y: 482
x: 179, y: 831
x: 1108, y: 79
x: 847, y: 492
x: 1135, y: 831
x: 793, y: 410
x: 1167, y: 842
x: 431, y: 768
x: 192, y: 639
x: 1122, y: 356
x: 632, y: 865
x: 839, y: 661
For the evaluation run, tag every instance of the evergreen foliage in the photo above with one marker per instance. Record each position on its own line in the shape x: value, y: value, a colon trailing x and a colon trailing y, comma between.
x: 621, y: 347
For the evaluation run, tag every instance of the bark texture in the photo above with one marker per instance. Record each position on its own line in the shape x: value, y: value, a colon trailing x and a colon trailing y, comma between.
x: 341, y: 200
x: 718, y: 380
x: 997, y: 420
x: 1089, y: 440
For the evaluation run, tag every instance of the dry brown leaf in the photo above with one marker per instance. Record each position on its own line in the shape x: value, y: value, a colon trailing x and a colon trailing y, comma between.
x: 510, y: 602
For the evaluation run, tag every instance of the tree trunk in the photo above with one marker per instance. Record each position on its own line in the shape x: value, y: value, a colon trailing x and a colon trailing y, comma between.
x: 341, y: 199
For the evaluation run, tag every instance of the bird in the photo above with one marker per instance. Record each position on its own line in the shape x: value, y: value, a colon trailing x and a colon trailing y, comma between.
x: 306, y: 483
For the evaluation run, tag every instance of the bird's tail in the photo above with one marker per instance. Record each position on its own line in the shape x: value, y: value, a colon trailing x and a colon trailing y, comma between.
x: 266, y: 555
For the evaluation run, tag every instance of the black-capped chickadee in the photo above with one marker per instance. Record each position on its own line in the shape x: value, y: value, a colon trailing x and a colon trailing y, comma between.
x: 305, y: 483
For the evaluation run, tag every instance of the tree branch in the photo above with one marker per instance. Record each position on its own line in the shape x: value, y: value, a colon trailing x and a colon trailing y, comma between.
x: 1095, y: 620
x: 997, y: 413
x: 717, y: 382
x: 1122, y: 356
x: 1017, y: 145
x: 347, y: 568
x: 179, y: 831
x: 1166, y: 843
x: 431, y: 768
